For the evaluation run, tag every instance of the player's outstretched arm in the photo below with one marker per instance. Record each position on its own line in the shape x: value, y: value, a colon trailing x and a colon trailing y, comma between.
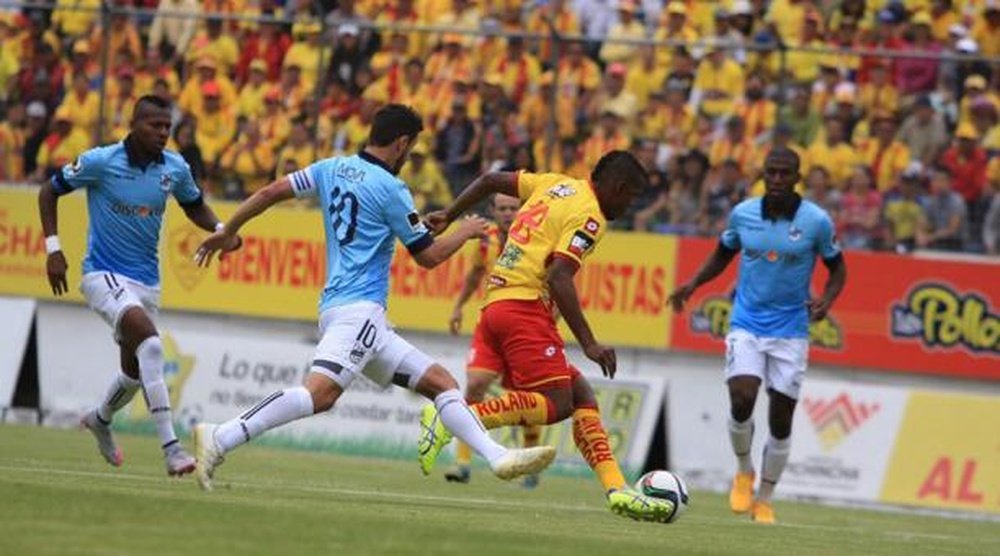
x: 48, y: 211
x: 226, y: 238
x: 818, y: 308
x: 446, y: 246
x: 716, y: 263
x: 481, y: 188
x: 563, y: 292
x: 469, y: 287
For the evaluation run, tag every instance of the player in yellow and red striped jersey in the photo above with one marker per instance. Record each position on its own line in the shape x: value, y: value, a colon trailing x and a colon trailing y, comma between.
x: 561, y: 222
x: 481, y: 371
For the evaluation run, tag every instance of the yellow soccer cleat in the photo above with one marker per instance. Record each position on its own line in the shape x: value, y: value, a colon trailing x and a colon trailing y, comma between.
x: 741, y: 493
x: 629, y: 503
x: 433, y: 438
x: 763, y: 512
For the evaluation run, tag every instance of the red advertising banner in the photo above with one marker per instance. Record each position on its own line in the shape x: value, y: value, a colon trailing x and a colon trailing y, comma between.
x: 912, y: 314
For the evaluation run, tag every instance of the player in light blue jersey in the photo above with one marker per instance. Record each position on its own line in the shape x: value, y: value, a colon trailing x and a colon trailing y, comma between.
x: 780, y: 236
x: 128, y: 184
x: 366, y: 208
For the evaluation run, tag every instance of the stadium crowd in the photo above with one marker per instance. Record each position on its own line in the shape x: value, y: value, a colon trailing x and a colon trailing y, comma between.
x: 902, y: 150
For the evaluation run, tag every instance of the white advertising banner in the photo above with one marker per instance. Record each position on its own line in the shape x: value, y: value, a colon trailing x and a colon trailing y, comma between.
x: 841, y: 440
x: 16, y: 315
x: 215, y: 376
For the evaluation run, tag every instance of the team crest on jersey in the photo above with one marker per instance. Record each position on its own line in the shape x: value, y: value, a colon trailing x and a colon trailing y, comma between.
x: 74, y: 169
x: 561, y: 191
x: 592, y: 226
x: 580, y: 244
x: 794, y: 233
x: 510, y: 256
x: 166, y: 183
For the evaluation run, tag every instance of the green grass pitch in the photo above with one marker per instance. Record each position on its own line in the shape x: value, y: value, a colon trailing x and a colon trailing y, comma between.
x: 57, y: 497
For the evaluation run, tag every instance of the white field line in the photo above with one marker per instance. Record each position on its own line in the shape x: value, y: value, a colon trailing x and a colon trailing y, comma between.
x: 40, y: 467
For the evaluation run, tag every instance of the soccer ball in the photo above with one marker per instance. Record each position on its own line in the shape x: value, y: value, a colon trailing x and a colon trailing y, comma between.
x: 668, y: 486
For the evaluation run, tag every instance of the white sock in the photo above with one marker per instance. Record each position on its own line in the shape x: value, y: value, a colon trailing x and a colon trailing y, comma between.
x: 741, y: 437
x: 775, y: 457
x: 283, y: 406
x: 150, y: 356
x: 120, y: 392
x: 463, y: 423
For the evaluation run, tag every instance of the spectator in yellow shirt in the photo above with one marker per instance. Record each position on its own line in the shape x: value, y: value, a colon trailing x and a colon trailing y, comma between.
x: 275, y: 124
x: 609, y: 135
x: 644, y: 75
x: 250, y: 102
x: 249, y: 161
x: 803, y: 64
x: 555, y: 14
x: 152, y: 68
x: 444, y: 65
x: 673, y: 27
x: 628, y: 27
x: 82, y: 62
x: 422, y: 174
x: 758, y: 112
x: 986, y: 29
x: 215, y: 41
x: 734, y: 145
x: 614, y: 96
x: 787, y: 17
x: 519, y: 70
x: 975, y: 89
x: 886, y: 156
x: 61, y: 146
x: 536, y: 110
x: 216, y: 125
x: 718, y: 83
x: 293, y: 91
x: 578, y: 78
x: 879, y: 95
x: 833, y: 153
x: 82, y: 105
x: 75, y: 18
x: 119, y: 106
x: 121, y: 35
x: 299, y: 152
x: 191, y: 99
x: 306, y: 52
x: 12, y: 137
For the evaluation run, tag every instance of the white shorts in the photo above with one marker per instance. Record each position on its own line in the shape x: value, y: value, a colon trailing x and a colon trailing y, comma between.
x: 779, y: 362
x: 112, y: 294
x: 356, y: 339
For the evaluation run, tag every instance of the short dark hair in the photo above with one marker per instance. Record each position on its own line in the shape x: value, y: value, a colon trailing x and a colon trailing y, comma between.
x: 622, y: 163
x: 393, y: 121
x: 784, y: 152
x: 155, y: 101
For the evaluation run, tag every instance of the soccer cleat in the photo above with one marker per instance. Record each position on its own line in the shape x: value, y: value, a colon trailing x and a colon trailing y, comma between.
x: 105, y: 440
x: 459, y: 474
x: 523, y: 461
x: 208, y: 454
x: 179, y: 462
x: 433, y: 438
x: 530, y: 482
x: 629, y: 503
x: 763, y: 512
x: 741, y: 493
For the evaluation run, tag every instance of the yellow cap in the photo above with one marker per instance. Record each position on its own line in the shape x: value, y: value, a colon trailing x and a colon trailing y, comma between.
x: 975, y: 82
x: 494, y: 78
x: 420, y: 149
x: 62, y: 114
x: 921, y: 18
x: 967, y: 131
x: 676, y: 7
x: 258, y: 64
x: 306, y: 28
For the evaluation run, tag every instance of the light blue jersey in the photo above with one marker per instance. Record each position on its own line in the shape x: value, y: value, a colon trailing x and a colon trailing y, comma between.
x: 365, y: 208
x: 125, y: 204
x: 776, y: 266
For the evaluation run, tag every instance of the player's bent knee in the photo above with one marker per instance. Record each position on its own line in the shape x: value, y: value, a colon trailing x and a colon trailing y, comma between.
x: 324, y: 391
x: 477, y: 386
x: 434, y: 381
x: 134, y: 327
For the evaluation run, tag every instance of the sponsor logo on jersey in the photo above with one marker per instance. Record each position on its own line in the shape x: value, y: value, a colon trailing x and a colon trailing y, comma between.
x: 166, y: 183
x: 561, y: 191
x: 497, y: 280
x: 580, y: 243
x: 141, y: 211
x: 940, y: 317
x: 510, y: 256
x: 794, y: 233
x: 835, y: 419
x: 592, y: 226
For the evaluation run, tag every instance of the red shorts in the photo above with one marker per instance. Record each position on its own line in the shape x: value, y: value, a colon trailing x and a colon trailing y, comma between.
x: 519, y: 339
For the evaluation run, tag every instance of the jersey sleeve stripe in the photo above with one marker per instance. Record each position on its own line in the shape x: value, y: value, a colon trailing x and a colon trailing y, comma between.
x: 421, y: 243
x: 301, y: 182
x: 59, y: 183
